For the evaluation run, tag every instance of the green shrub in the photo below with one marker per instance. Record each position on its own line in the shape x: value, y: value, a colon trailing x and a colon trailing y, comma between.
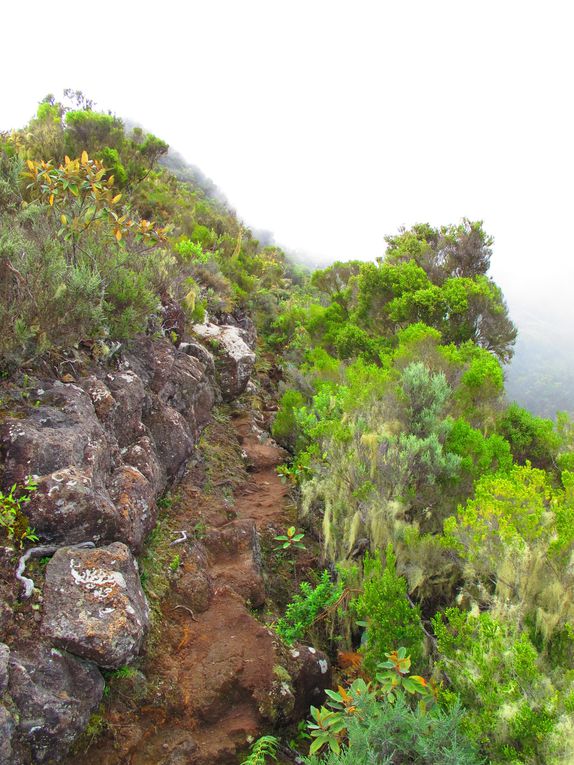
x: 191, y: 251
x: 397, y: 734
x: 284, y: 428
x: 531, y: 438
x: 389, y: 618
x: 302, y: 612
x: 514, y: 712
x: 13, y: 522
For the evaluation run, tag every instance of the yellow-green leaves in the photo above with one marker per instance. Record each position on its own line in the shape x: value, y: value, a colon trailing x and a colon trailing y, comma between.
x: 85, y: 200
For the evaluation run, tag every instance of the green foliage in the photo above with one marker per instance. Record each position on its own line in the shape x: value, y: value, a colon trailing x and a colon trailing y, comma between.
x: 190, y: 250
x: 389, y: 617
x: 479, y: 454
x: 291, y: 540
x: 84, y: 257
x: 426, y: 395
x: 328, y: 725
x: 78, y: 191
x: 13, y: 521
x: 110, y: 159
x: 517, y: 535
x: 513, y: 711
x: 531, y: 438
x: 175, y: 563
x: 90, y: 131
x: 360, y: 726
x: 395, y: 678
x: 305, y: 608
x: 462, y: 308
x: 263, y: 749
x: 284, y: 428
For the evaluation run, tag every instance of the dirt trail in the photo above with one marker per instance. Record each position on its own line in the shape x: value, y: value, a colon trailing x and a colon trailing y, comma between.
x: 208, y: 681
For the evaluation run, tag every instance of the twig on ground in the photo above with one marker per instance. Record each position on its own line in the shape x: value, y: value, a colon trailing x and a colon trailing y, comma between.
x: 40, y: 552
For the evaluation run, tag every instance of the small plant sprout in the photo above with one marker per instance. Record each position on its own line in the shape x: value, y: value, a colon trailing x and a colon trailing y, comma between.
x: 12, y: 518
x: 175, y: 563
x: 291, y: 540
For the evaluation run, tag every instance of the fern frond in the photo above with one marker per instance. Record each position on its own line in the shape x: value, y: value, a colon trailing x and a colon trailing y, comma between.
x: 264, y: 747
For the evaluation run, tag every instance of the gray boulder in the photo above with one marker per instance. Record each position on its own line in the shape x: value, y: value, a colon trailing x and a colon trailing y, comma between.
x: 55, y: 695
x: 94, y: 605
x: 4, y: 656
x: 234, y: 358
x: 7, y: 727
x: 104, y: 449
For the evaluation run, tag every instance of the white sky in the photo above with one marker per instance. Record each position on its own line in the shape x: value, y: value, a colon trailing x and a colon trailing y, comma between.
x: 333, y: 123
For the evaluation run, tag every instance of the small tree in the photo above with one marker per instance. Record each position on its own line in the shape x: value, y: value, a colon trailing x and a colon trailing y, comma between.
x: 82, y: 194
x: 388, y: 616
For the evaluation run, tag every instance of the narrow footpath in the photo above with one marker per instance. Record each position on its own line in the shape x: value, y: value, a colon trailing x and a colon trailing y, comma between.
x: 203, y: 691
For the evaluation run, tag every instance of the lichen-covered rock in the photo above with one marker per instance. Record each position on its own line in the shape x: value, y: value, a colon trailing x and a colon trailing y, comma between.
x: 245, y: 324
x: 103, y: 449
x: 134, y: 500
x: 142, y: 455
x: 234, y: 358
x: 4, y: 656
x: 199, y: 351
x: 69, y: 507
x: 55, y: 694
x: 311, y: 674
x: 8, y: 592
x: 172, y: 437
x: 62, y: 431
x: 7, y: 727
x: 94, y: 605
x: 7, y: 724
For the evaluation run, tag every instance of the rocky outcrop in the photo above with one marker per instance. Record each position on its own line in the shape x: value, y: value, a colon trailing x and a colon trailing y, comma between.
x: 234, y: 359
x: 311, y: 674
x: 7, y: 726
x: 94, y: 605
x: 7, y: 722
x: 52, y: 695
x: 104, y: 448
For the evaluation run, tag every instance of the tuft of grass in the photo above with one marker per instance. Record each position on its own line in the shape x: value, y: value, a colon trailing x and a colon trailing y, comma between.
x: 155, y: 563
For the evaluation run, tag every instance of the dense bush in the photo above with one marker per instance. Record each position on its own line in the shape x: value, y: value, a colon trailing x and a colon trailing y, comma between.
x: 96, y: 236
x: 389, y: 617
x: 305, y: 608
x: 514, y: 711
x: 396, y: 734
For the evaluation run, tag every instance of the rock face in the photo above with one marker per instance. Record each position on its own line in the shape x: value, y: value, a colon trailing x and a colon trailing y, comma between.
x: 54, y: 694
x: 4, y: 656
x: 94, y: 605
x: 7, y: 726
x: 234, y: 358
x: 105, y: 448
x: 311, y: 673
x: 7, y: 723
x: 102, y: 449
